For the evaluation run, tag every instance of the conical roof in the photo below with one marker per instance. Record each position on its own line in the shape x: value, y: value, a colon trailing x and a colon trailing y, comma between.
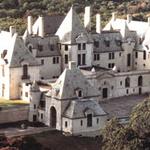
x: 71, y: 28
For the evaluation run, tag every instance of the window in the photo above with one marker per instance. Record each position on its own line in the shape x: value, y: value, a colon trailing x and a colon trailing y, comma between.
x: 111, y: 55
x: 128, y: 60
x: 89, y: 120
x: 111, y: 65
x: 52, y: 47
x: 34, y: 106
x: 26, y: 94
x: 79, y: 59
x: 107, y: 43
x: 140, y: 81
x: 42, y: 61
x: 120, y: 82
x: 25, y: 72
x: 30, y: 48
x: 81, y: 122
x: 66, y: 47
x: 55, y: 60
x: 96, y: 44
x: 3, y: 70
x: 41, y: 116
x: 127, y: 91
x: 136, y: 54
x: 96, y: 57
x: 120, y: 54
x: 40, y: 47
x: 66, y: 124
x: 66, y: 59
x: 3, y: 89
x: 83, y: 59
x: 84, y: 46
x: 144, y: 55
x: 127, y: 82
x: 97, y: 120
x: 79, y: 46
x: 79, y: 93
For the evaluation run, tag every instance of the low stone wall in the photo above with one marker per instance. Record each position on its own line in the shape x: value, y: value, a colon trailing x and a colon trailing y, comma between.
x: 14, y: 114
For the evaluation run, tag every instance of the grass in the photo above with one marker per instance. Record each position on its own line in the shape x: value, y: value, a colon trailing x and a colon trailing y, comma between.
x: 4, y: 102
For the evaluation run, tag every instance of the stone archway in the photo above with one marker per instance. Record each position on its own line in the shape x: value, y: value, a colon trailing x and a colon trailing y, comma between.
x: 53, y: 117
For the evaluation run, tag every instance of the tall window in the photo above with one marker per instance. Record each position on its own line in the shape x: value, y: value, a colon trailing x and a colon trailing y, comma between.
x: 96, y: 44
x: 136, y: 54
x: 66, y: 47
x: 89, y: 120
x: 79, y: 46
x: 66, y: 59
x: 111, y: 55
x: 79, y: 59
x: 25, y: 70
x: 140, y: 81
x: 128, y: 60
x: 127, y: 82
x: 55, y: 60
x: 144, y: 55
x: 83, y: 59
x: 84, y: 46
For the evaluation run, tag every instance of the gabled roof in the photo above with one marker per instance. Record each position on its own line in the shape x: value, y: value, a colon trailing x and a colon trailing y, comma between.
x: 69, y: 82
x: 77, y: 109
x: 71, y: 28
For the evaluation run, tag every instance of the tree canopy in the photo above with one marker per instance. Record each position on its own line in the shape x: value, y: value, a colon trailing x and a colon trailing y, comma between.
x: 133, y: 136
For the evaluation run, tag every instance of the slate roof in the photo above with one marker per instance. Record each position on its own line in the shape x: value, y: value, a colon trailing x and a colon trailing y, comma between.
x: 112, y: 37
x: 121, y: 107
x: 77, y: 109
x: 71, y: 28
x: 139, y: 26
x: 68, y: 82
x: 16, y: 50
x: 47, y: 50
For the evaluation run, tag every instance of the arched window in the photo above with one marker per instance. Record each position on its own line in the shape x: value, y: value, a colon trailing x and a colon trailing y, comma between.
x: 127, y: 82
x: 140, y: 81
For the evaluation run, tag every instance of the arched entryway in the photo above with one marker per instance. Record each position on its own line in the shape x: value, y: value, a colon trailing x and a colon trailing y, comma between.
x: 53, y: 117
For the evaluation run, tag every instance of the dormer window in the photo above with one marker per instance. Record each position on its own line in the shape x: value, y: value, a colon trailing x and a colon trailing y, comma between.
x: 40, y: 47
x: 66, y: 47
x: 107, y: 42
x: 79, y: 93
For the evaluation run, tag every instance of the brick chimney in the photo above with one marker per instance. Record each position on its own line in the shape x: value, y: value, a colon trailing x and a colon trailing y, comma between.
x: 87, y: 18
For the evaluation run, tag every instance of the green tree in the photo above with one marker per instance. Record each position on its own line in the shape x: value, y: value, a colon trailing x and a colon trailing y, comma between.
x: 134, y: 136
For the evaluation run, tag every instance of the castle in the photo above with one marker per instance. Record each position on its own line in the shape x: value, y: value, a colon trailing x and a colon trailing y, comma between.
x: 65, y: 70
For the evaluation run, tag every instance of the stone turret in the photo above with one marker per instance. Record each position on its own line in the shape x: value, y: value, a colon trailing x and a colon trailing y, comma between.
x: 34, y: 102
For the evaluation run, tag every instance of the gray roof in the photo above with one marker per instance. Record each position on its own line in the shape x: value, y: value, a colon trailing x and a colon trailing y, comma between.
x: 69, y: 82
x: 71, y: 28
x: 47, y: 50
x: 52, y: 23
x: 112, y: 37
x: 21, y: 54
x: 121, y: 107
x: 77, y: 109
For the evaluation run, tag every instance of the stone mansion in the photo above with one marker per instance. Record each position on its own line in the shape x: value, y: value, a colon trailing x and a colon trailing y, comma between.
x: 65, y: 69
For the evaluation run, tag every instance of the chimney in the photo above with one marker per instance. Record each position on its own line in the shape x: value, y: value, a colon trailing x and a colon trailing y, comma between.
x: 30, y: 24
x: 87, y: 18
x: 41, y: 26
x: 72, y: 65
x: 98, y: 23
x: 114, y: 16
x: 129, y: 18
x: 12, y: 30
x: 148, y: 21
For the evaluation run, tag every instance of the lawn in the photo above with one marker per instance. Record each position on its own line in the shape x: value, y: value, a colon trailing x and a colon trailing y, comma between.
x: 4, y: 102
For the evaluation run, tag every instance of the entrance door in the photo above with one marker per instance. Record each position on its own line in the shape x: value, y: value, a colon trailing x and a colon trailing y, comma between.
x: 53, y: 117
x: 105, y: 92
x: 140, y: 91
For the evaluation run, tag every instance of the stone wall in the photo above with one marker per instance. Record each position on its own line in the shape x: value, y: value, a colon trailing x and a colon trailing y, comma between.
x: 13, y: 114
